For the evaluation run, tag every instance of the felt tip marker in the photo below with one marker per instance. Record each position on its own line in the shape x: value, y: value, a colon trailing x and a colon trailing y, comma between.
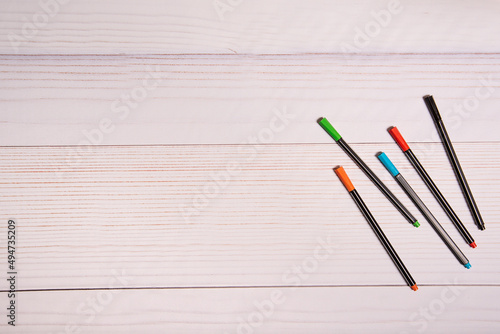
x: 376, y: 228
x: 455, y: 164
x: 398, y: 138
x: 323, y: 122
x: 424, y: 210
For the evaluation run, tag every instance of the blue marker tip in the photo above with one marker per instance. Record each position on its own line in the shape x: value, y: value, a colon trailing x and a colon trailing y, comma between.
x: 467, y: 266
x: 384, y: 159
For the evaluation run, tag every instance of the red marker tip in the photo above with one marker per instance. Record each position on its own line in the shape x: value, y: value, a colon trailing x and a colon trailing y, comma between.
x: 473, y: 245
x: 398, y: 138
x: 414, y: 288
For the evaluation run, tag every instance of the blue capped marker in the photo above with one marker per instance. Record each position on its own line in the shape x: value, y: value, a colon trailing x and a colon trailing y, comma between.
x: 423, y: 209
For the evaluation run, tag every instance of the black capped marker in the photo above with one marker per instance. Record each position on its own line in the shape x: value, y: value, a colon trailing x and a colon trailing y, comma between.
x: 452, y: 156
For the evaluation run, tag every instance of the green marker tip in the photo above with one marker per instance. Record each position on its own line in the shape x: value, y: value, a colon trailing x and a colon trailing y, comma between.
x: 416, y: 224
x: 329, y: 128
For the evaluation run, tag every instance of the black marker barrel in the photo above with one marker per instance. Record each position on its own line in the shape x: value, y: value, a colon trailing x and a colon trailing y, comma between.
x: 369, y: 173
x: 452, y: 156
x: 376, y: 228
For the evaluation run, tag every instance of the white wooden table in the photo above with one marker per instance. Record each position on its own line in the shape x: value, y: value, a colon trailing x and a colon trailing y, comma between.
x: 164, y: 167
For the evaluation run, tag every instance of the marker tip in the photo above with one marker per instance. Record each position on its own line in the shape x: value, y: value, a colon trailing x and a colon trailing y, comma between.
x: 473, y: 245
x: 414, y: 288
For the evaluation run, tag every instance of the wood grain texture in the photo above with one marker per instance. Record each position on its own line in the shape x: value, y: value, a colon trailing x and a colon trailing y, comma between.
x: 172, y: 216
x: 304, y: 310
x: 158, y: 187
x: 255, y: 27
x: 210, y: 99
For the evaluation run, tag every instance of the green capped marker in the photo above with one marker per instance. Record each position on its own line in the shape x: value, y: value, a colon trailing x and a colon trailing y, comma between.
x: 329, y: 129
x: 371, y: 175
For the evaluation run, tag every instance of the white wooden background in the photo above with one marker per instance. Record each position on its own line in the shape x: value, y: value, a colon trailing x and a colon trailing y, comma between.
x: 122, y: 227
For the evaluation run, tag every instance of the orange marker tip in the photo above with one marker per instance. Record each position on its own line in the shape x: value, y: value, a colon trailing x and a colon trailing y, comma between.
x: 344, y: 178
x: 473, y: 245
x: 414, y: 288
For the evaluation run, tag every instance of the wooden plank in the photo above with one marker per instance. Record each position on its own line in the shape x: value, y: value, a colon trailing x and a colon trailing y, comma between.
x: 173, y: 216
x: 56, y: 100
x: 256, y: 27
x: 187, y: 238
x: 457, y: 309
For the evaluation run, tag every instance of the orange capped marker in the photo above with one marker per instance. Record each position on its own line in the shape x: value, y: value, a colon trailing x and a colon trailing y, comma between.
x: 375, y: 227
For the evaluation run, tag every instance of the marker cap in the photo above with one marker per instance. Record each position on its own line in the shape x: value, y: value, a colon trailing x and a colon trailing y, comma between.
x: 329, y: 128
x: 399, y: 138
x: 344, y: 178
x: 431, y: 105
x: 387, y: 163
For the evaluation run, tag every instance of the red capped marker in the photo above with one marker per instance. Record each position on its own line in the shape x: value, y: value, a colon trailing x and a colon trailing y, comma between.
x: 398, y: 138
